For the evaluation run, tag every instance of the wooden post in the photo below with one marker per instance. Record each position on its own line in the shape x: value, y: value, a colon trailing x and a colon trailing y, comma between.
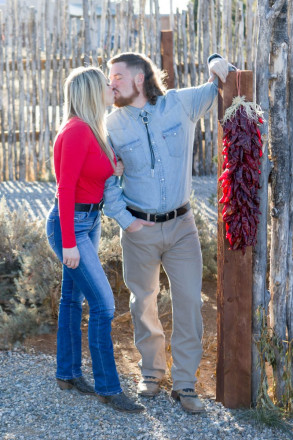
x: 234, y: 292
x: 167, y: 56
x: 87, y: 37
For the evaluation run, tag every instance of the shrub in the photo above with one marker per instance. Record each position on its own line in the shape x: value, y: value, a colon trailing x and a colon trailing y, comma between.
x: 30, y: 273
x: 29, y: 277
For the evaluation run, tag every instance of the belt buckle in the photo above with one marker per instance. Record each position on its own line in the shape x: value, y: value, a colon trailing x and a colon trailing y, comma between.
x: 157, y: 216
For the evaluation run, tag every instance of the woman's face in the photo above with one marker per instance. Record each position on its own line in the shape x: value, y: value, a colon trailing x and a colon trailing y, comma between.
x: 109, y: 97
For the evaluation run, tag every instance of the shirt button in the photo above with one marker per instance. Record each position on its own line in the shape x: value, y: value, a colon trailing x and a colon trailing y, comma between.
x: 153, y: 142
x: 162, y: 180
x: 175, y: 134
x: 159, y: 160
x: 164, y: 198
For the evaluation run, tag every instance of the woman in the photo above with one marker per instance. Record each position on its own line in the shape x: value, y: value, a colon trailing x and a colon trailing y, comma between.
x: 83, y: 161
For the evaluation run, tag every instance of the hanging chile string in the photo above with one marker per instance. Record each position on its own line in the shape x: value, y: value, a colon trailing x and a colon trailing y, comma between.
x: 242, y: 150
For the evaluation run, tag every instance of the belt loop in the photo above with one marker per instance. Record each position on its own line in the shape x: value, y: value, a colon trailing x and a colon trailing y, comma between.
x: 148, y: 216
x: 90, y: 210
x: 175, y: 213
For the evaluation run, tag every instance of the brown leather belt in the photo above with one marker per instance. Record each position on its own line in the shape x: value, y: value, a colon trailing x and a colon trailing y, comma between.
x: 85, y: 207
x: 159, y: 218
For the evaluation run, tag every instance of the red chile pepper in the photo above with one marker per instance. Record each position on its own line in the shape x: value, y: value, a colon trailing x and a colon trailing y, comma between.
x: 240, y: 180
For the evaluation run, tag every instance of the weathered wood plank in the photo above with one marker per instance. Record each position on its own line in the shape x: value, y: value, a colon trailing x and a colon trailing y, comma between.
x: 2, y: 113
x: 167, y: 56
x: 280, y: 193
x: 191, y: 43
x: 21, y: 93
x: 13, y: 9
x: 234, y: 291
x: 7, y: 55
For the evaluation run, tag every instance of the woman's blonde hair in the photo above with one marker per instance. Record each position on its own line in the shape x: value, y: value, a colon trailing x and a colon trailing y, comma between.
x: 84, y: 97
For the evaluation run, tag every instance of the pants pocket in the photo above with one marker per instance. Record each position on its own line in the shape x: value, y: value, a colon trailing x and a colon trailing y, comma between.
x: 80, y: 216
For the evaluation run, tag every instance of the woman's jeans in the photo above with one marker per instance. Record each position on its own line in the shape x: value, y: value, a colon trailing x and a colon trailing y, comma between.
x: 88, y: 281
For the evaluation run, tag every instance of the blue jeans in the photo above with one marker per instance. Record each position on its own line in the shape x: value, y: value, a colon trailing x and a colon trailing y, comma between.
x: 88, y: 281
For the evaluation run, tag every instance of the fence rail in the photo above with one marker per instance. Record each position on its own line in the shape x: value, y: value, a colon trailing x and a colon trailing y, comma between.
x: 39, y: 46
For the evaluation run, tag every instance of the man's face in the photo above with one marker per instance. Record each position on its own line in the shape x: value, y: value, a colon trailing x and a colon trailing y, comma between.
x: 123, y: 84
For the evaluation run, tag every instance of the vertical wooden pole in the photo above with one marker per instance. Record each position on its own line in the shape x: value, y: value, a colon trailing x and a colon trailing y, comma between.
x: 22, y: 162
x: 158, y: 34
x: 86, y: 32
x: 3, y: 172
x: 234, y: 292
x: 167, y: 56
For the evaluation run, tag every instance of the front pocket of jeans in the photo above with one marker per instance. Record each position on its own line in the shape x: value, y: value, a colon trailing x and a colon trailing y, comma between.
x: 173, y: 137
x: 80, y: 216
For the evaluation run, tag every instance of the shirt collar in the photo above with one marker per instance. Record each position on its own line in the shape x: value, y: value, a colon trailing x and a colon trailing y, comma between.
x: 135, y: 112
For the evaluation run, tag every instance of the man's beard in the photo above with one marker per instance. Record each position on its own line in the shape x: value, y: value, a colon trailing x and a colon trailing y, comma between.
x: 122, y: 101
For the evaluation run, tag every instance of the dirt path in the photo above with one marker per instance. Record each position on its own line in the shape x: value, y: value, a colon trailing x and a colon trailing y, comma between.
x: 126, y: 354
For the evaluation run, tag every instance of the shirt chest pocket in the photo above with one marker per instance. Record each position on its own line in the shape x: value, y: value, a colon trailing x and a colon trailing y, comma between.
x: 133, y: 156
x: 174, y: 139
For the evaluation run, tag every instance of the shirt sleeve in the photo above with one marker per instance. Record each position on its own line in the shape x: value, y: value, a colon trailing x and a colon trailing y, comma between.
x: 74, y: 149
x: 196, y: 101
x: 114, y: 204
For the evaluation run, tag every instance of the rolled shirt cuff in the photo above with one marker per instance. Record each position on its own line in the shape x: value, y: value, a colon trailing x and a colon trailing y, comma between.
x: 124, y: 219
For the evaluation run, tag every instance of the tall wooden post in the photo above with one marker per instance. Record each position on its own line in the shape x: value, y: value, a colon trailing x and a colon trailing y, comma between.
x: 167, y: 57
x: 234, y: 292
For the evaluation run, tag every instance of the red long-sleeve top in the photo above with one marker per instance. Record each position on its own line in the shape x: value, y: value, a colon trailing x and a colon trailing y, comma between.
x: 81, y: 169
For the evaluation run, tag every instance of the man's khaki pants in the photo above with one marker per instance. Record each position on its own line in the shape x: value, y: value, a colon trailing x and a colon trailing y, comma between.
x: 175, y: 244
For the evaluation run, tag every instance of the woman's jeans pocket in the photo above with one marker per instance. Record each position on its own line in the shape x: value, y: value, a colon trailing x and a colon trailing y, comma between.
x: 50, y: 231
x: 80, y: 216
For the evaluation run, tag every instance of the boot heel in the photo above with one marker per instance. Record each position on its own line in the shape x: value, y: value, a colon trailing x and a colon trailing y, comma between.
x: 64, y: 384
x: 175, y: 395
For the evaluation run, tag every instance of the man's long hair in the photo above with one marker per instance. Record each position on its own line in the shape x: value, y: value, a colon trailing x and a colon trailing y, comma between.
x: 154, y: 78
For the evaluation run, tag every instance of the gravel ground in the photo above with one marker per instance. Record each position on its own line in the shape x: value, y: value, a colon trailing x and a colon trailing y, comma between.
x: 32, y: 407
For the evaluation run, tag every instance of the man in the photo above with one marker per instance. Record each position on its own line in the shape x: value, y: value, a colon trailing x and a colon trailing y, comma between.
x: 152, y: 132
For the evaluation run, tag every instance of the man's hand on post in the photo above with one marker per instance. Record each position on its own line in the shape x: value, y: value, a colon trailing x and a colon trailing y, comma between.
x: 218, y: 67
x: 138, y: 224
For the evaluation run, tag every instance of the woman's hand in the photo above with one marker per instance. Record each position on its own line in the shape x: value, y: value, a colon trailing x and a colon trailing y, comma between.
x: 71, y: 257
x: 119, y: 168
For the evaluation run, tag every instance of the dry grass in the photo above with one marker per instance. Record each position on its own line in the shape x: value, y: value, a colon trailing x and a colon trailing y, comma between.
x: 30, y: 274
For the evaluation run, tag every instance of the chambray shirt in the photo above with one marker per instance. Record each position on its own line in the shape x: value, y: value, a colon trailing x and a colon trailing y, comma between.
x: 171, y: 127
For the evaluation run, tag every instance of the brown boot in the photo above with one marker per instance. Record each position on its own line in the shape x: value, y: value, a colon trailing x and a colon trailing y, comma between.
x: 189, y: 400
x: 148, y: 386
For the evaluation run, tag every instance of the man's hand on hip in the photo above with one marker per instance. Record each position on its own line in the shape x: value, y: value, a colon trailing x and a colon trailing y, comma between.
x: 138, y: 224
x: 218, y: 67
